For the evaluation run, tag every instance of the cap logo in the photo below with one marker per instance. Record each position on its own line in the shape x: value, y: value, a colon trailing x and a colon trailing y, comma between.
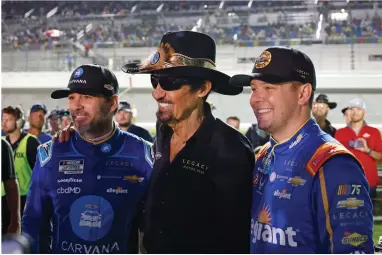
x: 155, y: 58
x: 263, y: 60
x: 78, y: 73
x: 108, y: 86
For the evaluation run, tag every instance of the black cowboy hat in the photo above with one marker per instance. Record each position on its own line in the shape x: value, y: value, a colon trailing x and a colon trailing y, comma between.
x: 186, y: 54
x: 322, y: 98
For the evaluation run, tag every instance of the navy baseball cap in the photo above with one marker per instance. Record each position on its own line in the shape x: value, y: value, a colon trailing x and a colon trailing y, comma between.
x: 37, y: 107
x: 93, y: 80
x: 278, y: 65
x: 123, y: 105
x: 54, y: 113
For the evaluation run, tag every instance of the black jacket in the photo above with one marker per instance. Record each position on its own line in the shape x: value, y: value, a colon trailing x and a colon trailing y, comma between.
x: 256, y: 136
x: 201, y: 201
x: 141, y: 132
x: 329, y: 129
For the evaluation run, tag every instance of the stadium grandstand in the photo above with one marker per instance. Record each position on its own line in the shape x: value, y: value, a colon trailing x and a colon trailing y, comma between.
x: 43, y: 41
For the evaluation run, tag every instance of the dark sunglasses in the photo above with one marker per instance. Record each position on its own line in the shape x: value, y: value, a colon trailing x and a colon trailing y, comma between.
x: 173, y: 83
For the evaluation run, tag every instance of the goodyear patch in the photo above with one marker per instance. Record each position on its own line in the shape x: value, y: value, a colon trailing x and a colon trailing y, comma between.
x: 44, y: 152
x: 354, y: 239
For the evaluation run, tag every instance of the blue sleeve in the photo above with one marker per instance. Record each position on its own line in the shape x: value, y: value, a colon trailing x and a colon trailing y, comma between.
x: 344, y: 209
x: 38, y: 209
x: 147, y: 164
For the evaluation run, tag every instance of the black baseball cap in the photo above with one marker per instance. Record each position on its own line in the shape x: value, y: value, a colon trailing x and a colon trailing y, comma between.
x: 322, y: 98
x: 344, y: 110
x: 90, y: 80
x: 277, y: 65
x: 123, y: 105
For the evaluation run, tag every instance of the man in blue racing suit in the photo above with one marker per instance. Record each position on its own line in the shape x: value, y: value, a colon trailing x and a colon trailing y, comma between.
x: 91, y: 188
x: 310, y: 194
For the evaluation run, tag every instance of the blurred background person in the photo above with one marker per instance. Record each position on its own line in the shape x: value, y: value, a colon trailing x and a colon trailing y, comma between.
x: 347, y: 115
x: 54, y: 122
x: 24, y: 146
x: 320, y: 112
x: 364, y: 142
x: 234, y: 122
x: 256, y: 136
x: 65, y: 118
x: 37, y: 121
x: 124, y: 118
x: 10, y: 196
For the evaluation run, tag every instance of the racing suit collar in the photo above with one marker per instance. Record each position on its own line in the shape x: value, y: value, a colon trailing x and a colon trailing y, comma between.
x: 296, y: 137
x: 104, y: 148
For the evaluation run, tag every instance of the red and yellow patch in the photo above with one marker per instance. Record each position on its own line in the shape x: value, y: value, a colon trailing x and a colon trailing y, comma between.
x: 322, y: 154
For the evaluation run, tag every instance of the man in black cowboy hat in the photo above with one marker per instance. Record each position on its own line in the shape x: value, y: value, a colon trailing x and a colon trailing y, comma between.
x: 199, y: 197
x: 320, y: 111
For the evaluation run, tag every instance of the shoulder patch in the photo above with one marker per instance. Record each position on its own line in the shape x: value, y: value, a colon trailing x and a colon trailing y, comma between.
x: 148, y: 152
x: 44, y: 152
x: 262, y: 151
x: 322, y: 154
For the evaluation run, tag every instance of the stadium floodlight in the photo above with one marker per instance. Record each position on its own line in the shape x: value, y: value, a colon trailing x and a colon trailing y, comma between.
x: 221, y: 5
x: 52, y: 12
x: 88, y: 27
x: 205, y: 6
x: 28, y: 13
x: 250, y: 3
x: 199, y: 23
x: 160, y: 7
x: 80, y: 34
x: 134, y: 8
x: 319, y: 26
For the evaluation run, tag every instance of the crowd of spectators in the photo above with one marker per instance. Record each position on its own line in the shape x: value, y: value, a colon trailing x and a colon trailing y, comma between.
x: 111, y: 30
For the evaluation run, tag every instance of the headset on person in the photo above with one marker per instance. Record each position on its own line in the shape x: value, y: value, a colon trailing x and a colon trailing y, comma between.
x: 20, y: 121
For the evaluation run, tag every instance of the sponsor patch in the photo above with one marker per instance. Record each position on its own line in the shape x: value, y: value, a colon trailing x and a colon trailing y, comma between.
x: 350, y: 203
x: 133, y: 178
x: 272, y: 177
x: 283, y: 194
x: 155, y: 58
x: 45, y: 152
x: 74, y: 166
x: 118, y: 190
x: 354, y: 239
x: 263, y: 60
x: 296, y: 181
x: 349, y: 189
x: 297, y: 141
x: 69, y: 180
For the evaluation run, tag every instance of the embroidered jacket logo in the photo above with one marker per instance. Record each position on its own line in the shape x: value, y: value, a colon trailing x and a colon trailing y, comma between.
x: 261, y: 230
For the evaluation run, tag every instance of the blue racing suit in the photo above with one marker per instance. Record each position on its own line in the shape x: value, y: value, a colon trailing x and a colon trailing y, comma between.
x: 91, y: 194
x: 310, y: 195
